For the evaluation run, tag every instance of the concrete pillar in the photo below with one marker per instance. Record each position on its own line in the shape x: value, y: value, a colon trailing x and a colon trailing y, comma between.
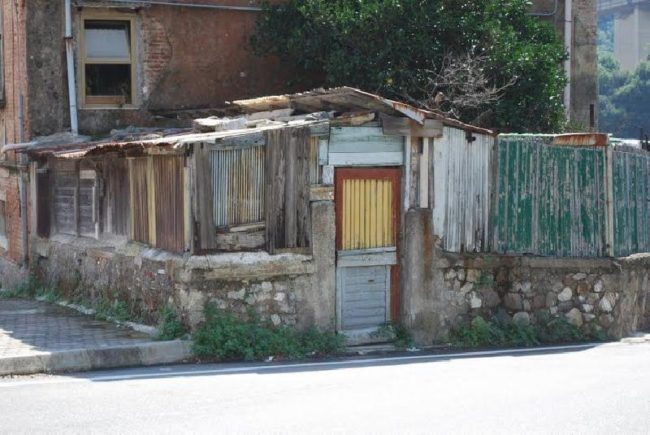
x: 317, y: 305
x: 419, y: 312
x: 632, y: 37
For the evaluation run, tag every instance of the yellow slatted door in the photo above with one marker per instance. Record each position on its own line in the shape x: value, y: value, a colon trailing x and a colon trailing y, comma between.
x: 367, y: 228
x: 367, y: 214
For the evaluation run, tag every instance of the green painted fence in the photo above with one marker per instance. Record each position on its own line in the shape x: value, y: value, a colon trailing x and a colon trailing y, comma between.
x: 631, y: 189
x: 550, y: 200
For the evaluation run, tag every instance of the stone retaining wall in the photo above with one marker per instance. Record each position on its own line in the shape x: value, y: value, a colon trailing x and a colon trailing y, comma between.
x: 609, y: 295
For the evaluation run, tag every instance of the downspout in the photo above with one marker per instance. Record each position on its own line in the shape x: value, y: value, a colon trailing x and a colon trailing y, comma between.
x: 69, y: 52
x: 568, y: 41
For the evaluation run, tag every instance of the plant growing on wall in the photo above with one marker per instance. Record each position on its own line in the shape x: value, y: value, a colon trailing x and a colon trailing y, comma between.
x: 400, y: 47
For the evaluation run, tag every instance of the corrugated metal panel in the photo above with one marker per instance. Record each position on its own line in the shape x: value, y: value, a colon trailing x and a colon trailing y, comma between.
x: 461, y: 190
x: 631, y: 186
x: 364, y: 146
x: 367, y: 214
x: 364, y: 294
x: 551, y: 200
x: 170, y: 212
x: 139, y: 200
x: 238, y: 185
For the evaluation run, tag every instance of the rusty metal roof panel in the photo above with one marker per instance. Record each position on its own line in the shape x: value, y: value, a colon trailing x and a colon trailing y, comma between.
x: 582, y: 139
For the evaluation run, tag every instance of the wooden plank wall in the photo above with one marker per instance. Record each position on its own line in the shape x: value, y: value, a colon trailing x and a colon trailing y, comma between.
x: 288, y: 219
x: 116, y: 210
x: 139, y: 200
x: 169, y: 209
x: 202, y: 205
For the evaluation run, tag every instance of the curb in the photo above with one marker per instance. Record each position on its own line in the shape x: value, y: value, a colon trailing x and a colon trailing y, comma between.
x: 143, y: 354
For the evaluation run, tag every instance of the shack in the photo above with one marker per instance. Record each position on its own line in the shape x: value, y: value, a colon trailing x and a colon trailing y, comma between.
x: 292, y: 205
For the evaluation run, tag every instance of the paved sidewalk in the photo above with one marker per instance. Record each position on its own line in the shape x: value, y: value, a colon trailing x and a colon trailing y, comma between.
x: 41, y: 337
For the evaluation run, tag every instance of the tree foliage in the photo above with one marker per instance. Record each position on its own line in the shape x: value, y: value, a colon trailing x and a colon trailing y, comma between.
x: 392, y: 46
x: 624, y: 97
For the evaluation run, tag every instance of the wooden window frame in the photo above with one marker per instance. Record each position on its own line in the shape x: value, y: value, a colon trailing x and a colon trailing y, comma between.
x: 107, y: 102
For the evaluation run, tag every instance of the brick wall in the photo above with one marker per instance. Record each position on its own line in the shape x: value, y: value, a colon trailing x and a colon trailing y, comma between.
x: 11, y: 131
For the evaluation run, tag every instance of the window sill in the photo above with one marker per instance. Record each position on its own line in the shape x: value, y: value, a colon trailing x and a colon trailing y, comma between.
x: 109, y: 107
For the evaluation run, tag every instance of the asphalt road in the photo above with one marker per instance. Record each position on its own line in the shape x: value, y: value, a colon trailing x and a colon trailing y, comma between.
x: 599, y: 390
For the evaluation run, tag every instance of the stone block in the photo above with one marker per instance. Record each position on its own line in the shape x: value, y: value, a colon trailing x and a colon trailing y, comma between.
x: 473, y: 275
x: 565, y: 295
x: 575, y: 317
x: 521, y: 318
x: 513, y: 301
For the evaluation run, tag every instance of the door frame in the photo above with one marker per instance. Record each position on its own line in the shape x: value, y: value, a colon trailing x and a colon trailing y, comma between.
x: 393, y: 174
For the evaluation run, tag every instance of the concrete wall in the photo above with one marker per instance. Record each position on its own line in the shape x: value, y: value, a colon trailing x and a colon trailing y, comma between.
x: 187, y: 58
x: 443, y: 290
x: 584, y: 72
x: 632, y: 36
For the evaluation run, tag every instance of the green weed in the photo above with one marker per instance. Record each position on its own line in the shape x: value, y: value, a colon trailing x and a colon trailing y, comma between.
x: 547, y: 330
x: 169, y: 326
x: 227, y: 338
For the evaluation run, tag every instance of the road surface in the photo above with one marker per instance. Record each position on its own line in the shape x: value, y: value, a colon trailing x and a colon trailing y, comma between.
x: 589, y: 390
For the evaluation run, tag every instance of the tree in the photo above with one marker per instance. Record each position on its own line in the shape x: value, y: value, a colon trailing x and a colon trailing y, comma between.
x: 624, y: 97
x: 399, y: 47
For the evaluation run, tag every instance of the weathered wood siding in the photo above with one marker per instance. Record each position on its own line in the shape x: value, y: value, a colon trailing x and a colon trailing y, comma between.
x: 631, y: 189
x: 238, y: 185
x: 169, y: 204
x: 461, y: 172
x: 116, y: 208
x: 550, y: 199
x: 139, y: 200
x: 287, y: 180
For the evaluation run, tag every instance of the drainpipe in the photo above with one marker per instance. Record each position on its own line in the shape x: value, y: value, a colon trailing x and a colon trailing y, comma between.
x: 568, y: 41
x: 69, y: 52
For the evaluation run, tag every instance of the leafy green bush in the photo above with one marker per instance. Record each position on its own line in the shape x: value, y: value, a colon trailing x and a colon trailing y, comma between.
x: 112, y: 310
x: 226, y: 337
x: 547, y: 330
x: 169, y: 326
x: 30, y: 288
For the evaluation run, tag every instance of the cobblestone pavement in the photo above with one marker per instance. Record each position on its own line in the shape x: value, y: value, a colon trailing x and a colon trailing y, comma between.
x: 31, y: 328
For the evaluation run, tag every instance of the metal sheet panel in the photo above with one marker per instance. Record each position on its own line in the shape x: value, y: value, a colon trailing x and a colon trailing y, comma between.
x: 367, y: 214
x: 364, y: 146
x: 550, y: 199
x: 238, y: 185
x: 365, y: 293
x: 461, y: 190
x: 631, y: 189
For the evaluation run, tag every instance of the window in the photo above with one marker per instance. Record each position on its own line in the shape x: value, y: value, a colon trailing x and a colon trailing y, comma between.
x: 108, y: 67
x: 75, y: 199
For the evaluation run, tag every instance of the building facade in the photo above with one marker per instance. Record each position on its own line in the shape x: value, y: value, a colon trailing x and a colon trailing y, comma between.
x: 580, y: 33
